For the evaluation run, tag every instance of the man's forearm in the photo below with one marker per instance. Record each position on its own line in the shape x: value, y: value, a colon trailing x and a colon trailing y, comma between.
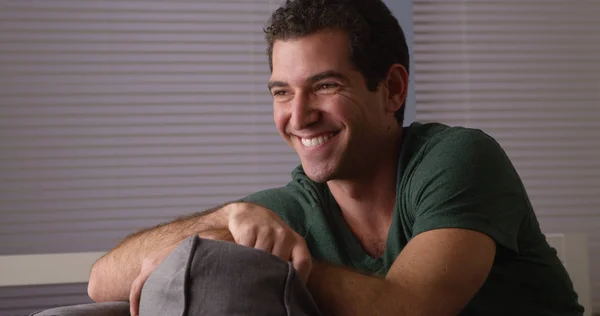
x: 112, y: 275
x: 342, y: 292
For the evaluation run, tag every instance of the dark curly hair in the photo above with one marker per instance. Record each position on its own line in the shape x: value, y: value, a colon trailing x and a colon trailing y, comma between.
x: 376, y: 40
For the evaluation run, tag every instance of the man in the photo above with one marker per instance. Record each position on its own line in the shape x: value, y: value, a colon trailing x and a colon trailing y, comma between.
x: 378, y: 219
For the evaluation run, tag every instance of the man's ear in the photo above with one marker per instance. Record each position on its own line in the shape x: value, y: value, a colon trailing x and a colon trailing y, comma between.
x: 397, y: 87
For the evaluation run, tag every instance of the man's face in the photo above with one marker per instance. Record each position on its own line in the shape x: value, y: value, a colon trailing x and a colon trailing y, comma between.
x: 322, y: 106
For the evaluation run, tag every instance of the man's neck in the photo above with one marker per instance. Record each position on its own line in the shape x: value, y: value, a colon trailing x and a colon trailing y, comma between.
x: 368, y: 200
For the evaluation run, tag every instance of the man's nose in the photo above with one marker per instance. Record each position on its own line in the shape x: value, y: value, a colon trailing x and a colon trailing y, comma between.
x: 303, y: 113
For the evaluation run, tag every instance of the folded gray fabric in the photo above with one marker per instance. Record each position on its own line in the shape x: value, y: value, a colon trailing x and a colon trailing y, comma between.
x: 96, y: 309
x: 204, y: 277
x: 217, y: 278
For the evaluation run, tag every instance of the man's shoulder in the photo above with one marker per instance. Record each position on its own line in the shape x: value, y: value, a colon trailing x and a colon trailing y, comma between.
x: 436, y: 141
x: 299, y: 190
x: 437, y: 155
x: 428, y: 135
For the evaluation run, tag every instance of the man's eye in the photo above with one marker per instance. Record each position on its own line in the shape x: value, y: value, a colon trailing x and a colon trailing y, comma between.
x: 325, y: 86
x: 278, y: 92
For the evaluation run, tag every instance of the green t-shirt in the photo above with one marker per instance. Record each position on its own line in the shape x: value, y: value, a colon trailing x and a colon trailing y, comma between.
x: 448, y: 177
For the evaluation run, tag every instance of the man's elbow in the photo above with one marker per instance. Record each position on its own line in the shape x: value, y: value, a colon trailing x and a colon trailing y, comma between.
x: 94, y: 289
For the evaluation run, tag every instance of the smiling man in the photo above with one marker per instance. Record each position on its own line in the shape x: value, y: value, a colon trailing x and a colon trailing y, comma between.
x: 379, y: 219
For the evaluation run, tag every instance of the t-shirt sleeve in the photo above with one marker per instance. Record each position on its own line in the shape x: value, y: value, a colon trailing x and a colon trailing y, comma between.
x: 467, y: 181
x: 288, y: 202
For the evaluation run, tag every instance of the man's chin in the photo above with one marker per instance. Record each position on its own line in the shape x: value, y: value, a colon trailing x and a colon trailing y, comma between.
x: 319, y: 174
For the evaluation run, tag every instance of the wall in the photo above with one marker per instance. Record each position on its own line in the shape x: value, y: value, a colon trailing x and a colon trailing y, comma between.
x: 115, y: 117
x: 403, y: 12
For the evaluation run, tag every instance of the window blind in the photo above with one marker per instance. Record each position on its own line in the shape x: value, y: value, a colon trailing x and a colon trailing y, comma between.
x: 528, y: 74
x: 118, y: 115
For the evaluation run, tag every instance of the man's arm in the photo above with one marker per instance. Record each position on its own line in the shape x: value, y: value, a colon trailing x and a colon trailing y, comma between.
x: 112, y: 275
x: 437, y: 273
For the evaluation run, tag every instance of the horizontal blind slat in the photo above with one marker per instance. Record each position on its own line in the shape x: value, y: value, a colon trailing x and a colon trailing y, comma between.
x: 119, y: 115
x: 132, y: 6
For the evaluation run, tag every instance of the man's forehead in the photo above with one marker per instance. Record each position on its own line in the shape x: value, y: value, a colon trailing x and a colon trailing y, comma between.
x: 303, y: 58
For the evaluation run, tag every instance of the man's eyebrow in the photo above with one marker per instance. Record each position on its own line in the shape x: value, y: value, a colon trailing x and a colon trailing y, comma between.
x: 328, y: 74
x: 273, y: 84
x: 315, y: 78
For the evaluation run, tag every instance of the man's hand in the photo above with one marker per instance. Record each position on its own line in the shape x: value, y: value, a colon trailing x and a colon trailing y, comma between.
x: 257, y: 227
x: 121, y: 274
x: 148, y: 265
x: 151, y: 262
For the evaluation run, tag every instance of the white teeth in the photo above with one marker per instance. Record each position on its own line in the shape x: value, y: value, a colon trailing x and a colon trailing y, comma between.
x: 315, y: 141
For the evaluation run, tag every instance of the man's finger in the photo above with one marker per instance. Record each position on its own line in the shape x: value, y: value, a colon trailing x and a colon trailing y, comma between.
x: 135, y: 293
x: 247, y: 239
x: 302, y: 261
x: 265, y: 241
x: 283, y: 248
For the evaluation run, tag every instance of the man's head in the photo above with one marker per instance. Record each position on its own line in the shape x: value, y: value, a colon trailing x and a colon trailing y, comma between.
x: 375, y: 38
x: 339, y: 81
